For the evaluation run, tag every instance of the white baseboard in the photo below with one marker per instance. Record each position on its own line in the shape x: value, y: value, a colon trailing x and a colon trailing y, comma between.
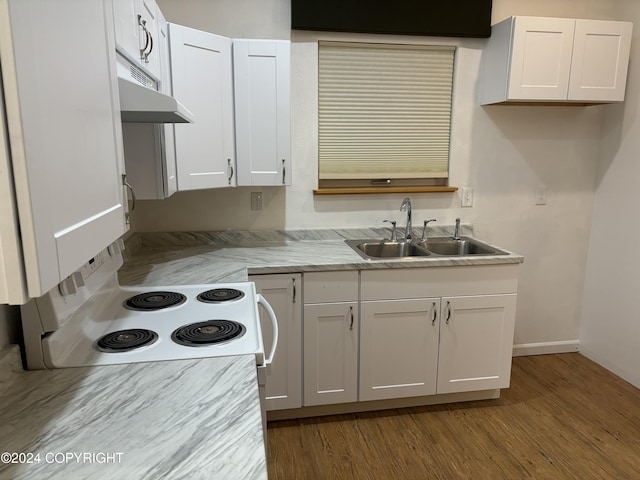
x: 544, y: 348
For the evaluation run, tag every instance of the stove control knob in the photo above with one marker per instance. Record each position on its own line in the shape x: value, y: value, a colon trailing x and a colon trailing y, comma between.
x: 67, y: 287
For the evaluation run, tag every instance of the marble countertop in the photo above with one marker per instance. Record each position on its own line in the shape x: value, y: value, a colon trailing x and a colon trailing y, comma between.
x: 216, y: 257
x: 186, y: 419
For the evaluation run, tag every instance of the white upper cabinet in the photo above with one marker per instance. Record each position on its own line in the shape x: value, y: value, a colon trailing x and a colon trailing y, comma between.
x: 149, y: 149
x: 137, y: 32
x: 539, y: 59
x: 201, y: 66
x: 261, y: 73
x: 64, y: 131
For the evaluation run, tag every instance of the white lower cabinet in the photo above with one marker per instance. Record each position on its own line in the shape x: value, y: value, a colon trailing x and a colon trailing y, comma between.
x: 398, y: 348
x: 428, y: 331
x: 476, y: 341
x: 284, y: 375
x: 330, y: 342
x: 330, y: 353
x: 388, y: 334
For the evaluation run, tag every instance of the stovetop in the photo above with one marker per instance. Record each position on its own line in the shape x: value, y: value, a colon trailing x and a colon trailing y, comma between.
x: 110, y: 314
x: 92, y: 320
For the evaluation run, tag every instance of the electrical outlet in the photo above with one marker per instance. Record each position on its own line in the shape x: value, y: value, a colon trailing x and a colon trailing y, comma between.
x: 467, y: 196
x: 256, y: 201
x: 542, y: 192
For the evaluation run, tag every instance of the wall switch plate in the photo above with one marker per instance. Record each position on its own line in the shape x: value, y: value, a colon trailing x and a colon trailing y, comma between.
x: 467, y: 196
x: 256, y: 201
x: 542, y: 192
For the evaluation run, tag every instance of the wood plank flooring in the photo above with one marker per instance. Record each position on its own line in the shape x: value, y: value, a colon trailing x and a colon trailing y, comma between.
x: 564, y: 417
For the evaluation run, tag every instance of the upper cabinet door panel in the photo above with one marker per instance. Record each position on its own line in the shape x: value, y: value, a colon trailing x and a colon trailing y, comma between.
x: 600, y: 60
x: 65, y: 134
x: 126, y: 27
x: 541, y: 58
x: 262, y: 108
x: 201, y: 67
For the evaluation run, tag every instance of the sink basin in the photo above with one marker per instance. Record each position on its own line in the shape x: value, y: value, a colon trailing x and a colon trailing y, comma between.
x: 386, y: 249
x: 437, y: 246
x: 447, y: 246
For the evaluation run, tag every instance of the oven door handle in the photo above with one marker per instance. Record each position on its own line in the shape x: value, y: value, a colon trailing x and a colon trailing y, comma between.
x: 262, y: 301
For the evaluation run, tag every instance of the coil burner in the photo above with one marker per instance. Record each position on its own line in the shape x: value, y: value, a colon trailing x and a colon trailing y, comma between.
x: 152, y: 301
x: 208, y: 333
x: 219, y: 295
x: 126, y: 340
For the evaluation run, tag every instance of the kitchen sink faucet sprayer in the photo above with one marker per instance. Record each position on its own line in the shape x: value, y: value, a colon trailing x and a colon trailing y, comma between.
x: 456, y: 232
x: 406, y: 206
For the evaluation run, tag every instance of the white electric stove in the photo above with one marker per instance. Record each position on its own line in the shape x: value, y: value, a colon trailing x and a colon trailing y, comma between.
x: 91, y: 320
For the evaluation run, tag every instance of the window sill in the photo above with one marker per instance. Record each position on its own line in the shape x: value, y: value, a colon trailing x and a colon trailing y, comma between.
x: 377, y: 190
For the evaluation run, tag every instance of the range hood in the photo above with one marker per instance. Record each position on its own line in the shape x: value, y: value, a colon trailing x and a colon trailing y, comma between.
x: 140, y: 100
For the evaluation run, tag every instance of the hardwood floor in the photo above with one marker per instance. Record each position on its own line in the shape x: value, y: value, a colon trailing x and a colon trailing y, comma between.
x: 564, y: 417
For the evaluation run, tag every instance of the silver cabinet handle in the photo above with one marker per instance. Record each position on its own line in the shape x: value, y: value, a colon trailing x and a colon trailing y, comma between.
x: 133, y: 196
x: 230, y: 170
x: 434, y: 313
x: 284, y: 174
x: 148, y: 40
x: 448, y: 311
x: 294, y: 289
x: 351, y: 313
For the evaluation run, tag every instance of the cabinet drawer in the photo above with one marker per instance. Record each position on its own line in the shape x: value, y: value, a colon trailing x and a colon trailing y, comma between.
x: 323, y: 287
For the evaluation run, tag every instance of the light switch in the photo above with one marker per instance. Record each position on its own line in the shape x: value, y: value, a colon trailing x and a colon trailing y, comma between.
x: 467, y: 196
x: 542, y: 192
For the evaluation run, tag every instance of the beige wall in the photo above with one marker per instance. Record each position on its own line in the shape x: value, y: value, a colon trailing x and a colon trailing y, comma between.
x: 503, y: 152
x: 610, y: 328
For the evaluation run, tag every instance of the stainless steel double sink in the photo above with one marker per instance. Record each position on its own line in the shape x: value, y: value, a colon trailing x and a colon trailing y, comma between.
x: 435, y: 246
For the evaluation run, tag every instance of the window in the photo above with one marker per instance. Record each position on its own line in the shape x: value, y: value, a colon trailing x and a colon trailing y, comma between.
x: 384, y: 114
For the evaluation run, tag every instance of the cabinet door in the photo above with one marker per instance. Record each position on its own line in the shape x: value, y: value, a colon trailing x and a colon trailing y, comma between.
x: 330, y: 353
x: 65, y: 132
x: 284, y: 375
x: 600, y: 60
x: 398, y: 348
x: 476, y: 338
x: 540, y: 58
x: 127, y: 30
x: 202, y: 80
x: 167, y: 136
x: 261, y: 71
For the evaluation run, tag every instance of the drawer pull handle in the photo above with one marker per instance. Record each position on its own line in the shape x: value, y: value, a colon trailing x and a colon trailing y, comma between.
x: 434, y: 313
x: 351, y: 313
x: 294, y: 289
x: 448, y: 311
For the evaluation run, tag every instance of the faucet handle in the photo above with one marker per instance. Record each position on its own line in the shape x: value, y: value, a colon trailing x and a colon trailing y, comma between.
x: 424, y: 229
x: 393, y: 230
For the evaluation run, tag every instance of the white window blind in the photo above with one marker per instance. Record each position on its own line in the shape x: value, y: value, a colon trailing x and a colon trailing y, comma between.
x: 384, y: 111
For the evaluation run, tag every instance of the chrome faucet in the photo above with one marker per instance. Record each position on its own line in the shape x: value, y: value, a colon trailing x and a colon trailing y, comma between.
x: 424, y: 230
x: 456, y: 232
x: 406, y: 206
